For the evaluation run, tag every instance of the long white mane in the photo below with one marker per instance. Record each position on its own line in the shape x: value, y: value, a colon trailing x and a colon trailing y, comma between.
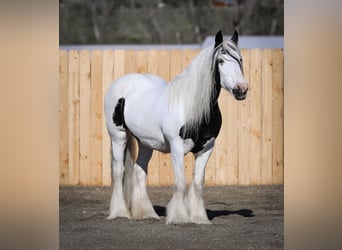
x: 194, y: 87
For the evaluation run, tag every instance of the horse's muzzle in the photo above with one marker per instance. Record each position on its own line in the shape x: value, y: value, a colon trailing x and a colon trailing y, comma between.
x: 240, y: 93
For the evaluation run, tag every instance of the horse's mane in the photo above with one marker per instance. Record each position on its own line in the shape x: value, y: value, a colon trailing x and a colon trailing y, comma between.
x: 194, y: 88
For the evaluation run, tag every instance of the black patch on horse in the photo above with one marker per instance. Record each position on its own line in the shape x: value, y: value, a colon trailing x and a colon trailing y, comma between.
x: 207, y: 129
x: 118, y: 115
x: 217, y: 78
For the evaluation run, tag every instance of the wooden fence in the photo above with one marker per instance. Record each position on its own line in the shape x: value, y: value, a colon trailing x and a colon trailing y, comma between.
x: 248, y: 151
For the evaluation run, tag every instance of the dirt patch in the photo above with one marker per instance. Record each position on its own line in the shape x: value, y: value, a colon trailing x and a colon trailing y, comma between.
x: 243, y: 217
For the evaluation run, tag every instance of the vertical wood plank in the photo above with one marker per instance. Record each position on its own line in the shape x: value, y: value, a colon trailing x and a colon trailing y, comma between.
x: 96, y: 117
x: 141, y: 61
x: 221, y: 143
x: 154, y: 166
x: 232, y: 141
x: 255, y: 116
x: 107, y: 77
x: 119, y: 64
x: 278, y: 116
x: 63, y: 118
x: 233, y: 130
x: 244, y: 125
x: 266, y: 125
x: 165, y: 171
x: 130, y: 61
x: 85, y: 127
x: 73, y: 114
x: 189, y: 160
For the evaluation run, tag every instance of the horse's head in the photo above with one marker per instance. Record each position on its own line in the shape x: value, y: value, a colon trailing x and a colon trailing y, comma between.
x: 228, y: 66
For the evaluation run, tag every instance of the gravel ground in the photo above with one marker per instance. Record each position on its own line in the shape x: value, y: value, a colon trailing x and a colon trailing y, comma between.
x: 243, y: 217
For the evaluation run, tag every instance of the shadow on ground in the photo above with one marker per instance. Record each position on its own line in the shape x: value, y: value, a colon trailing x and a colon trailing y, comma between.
x: 161, y: 211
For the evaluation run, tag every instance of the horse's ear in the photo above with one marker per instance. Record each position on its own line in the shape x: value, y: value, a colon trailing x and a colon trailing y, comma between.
x: 218, y: 38
x: 235, y: 37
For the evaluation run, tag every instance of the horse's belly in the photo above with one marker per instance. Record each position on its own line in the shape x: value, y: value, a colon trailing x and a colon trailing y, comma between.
x: 145, y: 126
x: 149, y: 135
x: 152, y: 143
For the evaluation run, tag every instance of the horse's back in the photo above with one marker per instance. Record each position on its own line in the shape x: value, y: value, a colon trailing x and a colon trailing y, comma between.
x: 131, y: 85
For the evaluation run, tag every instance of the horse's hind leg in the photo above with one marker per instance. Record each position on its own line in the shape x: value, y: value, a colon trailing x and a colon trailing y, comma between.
x: 141, y: 206
x: 118, y: 206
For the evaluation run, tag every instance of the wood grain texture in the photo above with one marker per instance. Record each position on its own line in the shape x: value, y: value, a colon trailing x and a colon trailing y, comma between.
x: 107, y: 78
x: 278, y: 116
x: 255, y: 116
x: 266, y: 116
x: 63, y: 119
x: 85, y: 119
x: 244, y: 125
x: 74, y: 116
x: 96, y: 108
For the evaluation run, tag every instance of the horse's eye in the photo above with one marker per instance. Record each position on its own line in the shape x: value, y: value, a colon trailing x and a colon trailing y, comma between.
x: 220, y: 61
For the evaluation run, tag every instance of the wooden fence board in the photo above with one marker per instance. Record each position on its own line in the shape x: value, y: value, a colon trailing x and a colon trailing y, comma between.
x: 73, y: 115
x: 278, y: 116
x: 96, y: 108
x: 107, y: 77
x: 119, y: 64
x: 221, y: 143
x: 255, y: 116
x: 63, y: 119
x: 266, y: 125
x: 141, y: 61
x: 244, y: 125
x: 85, y: 119
x: 130, y: 61
x: 232, y: 141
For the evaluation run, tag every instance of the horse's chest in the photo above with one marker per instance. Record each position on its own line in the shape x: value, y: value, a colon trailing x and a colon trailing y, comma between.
x: 205, y: 132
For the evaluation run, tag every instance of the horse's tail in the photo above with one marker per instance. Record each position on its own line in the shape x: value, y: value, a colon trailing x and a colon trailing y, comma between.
x: 129, y: 169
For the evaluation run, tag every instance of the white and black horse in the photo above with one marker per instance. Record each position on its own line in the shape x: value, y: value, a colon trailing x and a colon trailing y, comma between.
x: 178, y: 117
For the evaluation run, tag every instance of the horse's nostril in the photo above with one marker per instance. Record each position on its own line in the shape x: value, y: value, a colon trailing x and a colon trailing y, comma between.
x: 242, y: 87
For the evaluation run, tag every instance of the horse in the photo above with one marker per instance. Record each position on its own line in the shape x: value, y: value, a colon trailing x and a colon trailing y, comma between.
x: 179, y: 117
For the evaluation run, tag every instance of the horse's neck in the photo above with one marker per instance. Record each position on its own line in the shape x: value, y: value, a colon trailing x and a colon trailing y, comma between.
x: 195, y: 91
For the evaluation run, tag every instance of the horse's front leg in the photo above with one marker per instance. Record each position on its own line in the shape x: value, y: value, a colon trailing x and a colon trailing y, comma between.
x: 195, y: 194
x: 176, y: 209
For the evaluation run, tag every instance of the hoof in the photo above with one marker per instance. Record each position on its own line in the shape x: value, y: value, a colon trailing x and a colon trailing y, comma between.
x: 141, y: 215
x: 200, y: 220
x: 117, y: 214
x: 177, y: 220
